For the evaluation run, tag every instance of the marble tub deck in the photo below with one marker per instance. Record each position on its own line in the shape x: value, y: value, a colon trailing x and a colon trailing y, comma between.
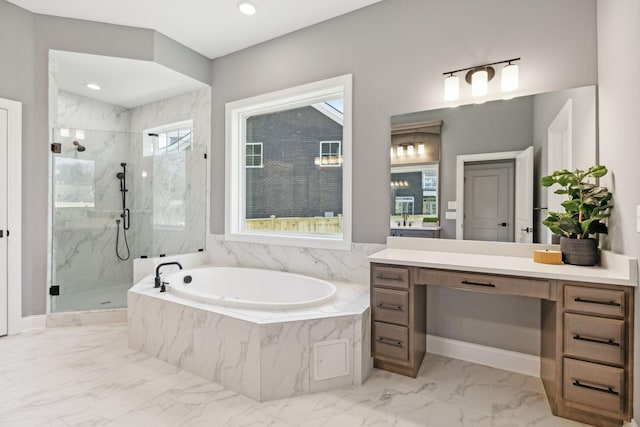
x: 264, y: 355
x: 87, y: 375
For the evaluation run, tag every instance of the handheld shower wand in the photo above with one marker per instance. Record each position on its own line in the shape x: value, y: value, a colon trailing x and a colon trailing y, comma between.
x: 125, y: 215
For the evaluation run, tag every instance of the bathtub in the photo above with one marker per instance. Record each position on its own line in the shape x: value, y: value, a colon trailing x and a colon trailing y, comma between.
x: 250, y: 288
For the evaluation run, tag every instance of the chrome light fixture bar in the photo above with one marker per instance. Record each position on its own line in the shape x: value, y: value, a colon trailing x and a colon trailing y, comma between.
x: 479, y: 76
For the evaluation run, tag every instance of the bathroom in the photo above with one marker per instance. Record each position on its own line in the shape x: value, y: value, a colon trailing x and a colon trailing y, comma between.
x: 560, y: 58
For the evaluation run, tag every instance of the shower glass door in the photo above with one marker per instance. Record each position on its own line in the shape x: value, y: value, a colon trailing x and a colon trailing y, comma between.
x: 92, y: 254
x: 118, y: 196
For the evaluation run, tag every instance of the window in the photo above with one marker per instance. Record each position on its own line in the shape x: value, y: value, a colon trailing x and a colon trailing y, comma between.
x: 253, y: 155
x: 74, y: 183
x: 404, y: 205
x: 167, y: 139
x: 277, y: 193
x: 330, y: 154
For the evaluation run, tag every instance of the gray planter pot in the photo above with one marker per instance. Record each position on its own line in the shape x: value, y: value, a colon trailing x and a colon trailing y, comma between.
x: 579, y: 251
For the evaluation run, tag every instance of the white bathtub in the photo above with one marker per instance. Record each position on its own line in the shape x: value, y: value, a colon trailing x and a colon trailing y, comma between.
x: 250, y: 288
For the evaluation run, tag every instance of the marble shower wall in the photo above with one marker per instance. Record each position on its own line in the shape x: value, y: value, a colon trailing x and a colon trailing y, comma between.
x: 178, y: 178
x: 86, y: 193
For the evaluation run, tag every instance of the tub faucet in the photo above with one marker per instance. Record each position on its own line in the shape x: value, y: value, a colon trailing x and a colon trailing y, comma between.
x: 157, y: 280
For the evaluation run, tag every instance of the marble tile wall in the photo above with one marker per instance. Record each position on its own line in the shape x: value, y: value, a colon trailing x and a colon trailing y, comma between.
x: 349, y: 266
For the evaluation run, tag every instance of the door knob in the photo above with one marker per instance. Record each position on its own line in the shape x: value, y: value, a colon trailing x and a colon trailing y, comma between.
x: 502, y: 224
x: 527, y: 230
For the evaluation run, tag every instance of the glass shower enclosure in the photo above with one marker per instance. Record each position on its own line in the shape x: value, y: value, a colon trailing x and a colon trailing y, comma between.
x: 117, y: 196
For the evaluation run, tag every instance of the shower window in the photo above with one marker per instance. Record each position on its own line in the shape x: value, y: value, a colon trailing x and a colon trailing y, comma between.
x: 75, y: 183
x: 291, y: 199
x: 167, y: 139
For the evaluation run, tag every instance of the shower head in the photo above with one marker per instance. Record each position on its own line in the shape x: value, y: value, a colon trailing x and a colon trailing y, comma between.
x: 120, y: 175
x: 79, y: 146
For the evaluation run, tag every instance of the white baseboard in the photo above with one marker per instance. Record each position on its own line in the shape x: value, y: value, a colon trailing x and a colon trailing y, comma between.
x: 631, y: 423
x: 521, y: 363
x: 33, y: 322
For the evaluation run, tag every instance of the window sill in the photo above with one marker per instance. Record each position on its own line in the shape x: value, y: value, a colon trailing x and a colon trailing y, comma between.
x: 283, y: 239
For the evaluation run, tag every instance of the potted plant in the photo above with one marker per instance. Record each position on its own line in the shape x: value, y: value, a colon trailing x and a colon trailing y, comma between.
x: 586, y: 209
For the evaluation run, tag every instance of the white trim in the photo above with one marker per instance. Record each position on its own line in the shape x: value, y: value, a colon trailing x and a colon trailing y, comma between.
x: 631, y: 423
x: 236, y: 114
x: 467, y: 158
x: 522, y: 363
x: 330, y: 112
x: 14, y: 217
x: 33, y: 322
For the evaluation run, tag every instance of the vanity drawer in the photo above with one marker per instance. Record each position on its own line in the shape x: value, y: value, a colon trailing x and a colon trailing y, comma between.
x: 391, y: 306
x: 390, y: 341
x: 393, y: 277
x: 594, y: 385
x: 609, y: 302
x: 595, y: 338
x: 484, y: 283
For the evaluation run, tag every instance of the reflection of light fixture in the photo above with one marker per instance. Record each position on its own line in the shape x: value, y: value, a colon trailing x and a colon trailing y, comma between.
x: 328, y: 161
x: 421, y: 149
x: 391, y: 152
x: 247, y: 8
x: 410, y: 150
x: 79, y: 134
x: 64, y: 132
x: 400, y: 151
x: 400, y: 184
x: 479, y: 77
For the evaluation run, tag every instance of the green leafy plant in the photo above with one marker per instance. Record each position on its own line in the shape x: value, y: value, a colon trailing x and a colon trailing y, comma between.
x: 587, y: 206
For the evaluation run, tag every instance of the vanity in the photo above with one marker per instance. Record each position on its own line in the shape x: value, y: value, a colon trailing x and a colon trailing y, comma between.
x: 586, y: 316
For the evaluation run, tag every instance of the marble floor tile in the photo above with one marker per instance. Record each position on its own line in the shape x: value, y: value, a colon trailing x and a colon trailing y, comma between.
x: 87, y: 376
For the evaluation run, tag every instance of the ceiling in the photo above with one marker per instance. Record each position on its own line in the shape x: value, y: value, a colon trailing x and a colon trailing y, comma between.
x: 210, y: 27
x: 125, y: 82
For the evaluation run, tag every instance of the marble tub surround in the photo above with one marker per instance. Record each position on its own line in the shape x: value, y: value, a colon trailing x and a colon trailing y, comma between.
x: 87, y: 376
x: 503, y: 258
x: 262, y: 354
x: 348, y: 266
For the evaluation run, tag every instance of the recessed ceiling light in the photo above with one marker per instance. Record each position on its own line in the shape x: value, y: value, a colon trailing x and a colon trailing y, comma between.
x: 246, y: 7
x: 93, y: 86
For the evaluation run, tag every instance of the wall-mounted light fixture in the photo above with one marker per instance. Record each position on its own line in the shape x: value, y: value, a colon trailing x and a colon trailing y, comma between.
x: 479, y: 76
x: 408, y: 150
x: 400, y: 184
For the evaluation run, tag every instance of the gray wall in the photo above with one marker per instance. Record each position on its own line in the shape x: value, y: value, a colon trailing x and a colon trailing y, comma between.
x: 584, y: 154
x: 24, y: 47
x: 397, y: 51
x: 619, y: 95
x: 473, y: 129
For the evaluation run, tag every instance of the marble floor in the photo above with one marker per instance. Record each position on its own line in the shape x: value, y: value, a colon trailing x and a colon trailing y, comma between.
x: 87, y: 376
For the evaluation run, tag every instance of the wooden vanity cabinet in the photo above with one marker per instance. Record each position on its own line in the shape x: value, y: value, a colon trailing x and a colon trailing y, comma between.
x: 586, y: 360
x: 398, y: 319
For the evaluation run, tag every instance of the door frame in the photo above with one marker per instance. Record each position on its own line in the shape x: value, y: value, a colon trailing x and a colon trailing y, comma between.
x: 14, y: 217
x: 460, y: 162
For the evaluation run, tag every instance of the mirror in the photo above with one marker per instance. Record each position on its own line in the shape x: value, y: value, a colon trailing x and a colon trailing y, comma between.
x: 560, y: 126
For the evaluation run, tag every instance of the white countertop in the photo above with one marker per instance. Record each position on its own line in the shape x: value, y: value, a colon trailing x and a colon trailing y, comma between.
x: 617, y: 272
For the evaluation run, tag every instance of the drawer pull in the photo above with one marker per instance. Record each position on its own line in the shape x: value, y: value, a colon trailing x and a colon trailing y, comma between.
x: 393, y: 307
x: 383, y: 277
x: 389, y: 342
x: 607, y: 390
x: 590, y: 301
x: 595, y: 340
x: 487, y: 285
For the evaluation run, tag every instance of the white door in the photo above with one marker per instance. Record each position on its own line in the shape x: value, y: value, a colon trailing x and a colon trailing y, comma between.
x: 488, y: 201
x: 4, y: 276
x: 559, y: 148
x: 524, y: 197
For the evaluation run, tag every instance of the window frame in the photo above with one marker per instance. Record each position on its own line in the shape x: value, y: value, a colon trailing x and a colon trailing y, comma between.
x: 261, y: 165
x: 338, y: 154
x: 237, y: 113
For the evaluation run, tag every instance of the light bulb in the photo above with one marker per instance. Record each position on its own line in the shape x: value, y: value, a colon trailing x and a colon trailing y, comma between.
x: 421, y: 149
x: 510, y: 78
x: 93, y: 86
x: 400, y: 151
x: 410, y: 151
x: 479, y: 83
x: 451, y: 88
x: 247, y: 8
